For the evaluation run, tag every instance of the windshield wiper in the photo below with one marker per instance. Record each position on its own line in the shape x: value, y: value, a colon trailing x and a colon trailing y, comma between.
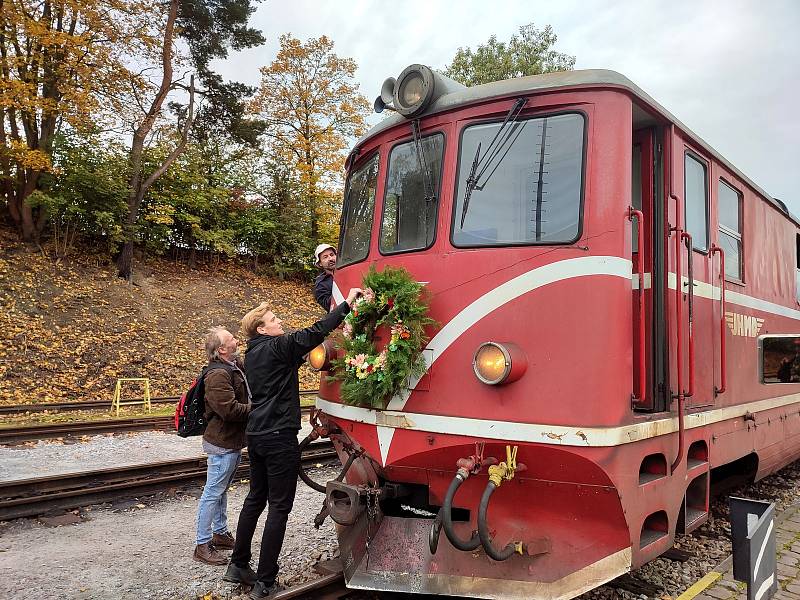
x: 492, y: 151
x: 427, y: 184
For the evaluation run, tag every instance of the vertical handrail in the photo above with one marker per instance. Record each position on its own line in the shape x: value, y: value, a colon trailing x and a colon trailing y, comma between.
x: 637, y: 214
x: 687, y: 237
x: 679, y: 335
x: 723, y: 356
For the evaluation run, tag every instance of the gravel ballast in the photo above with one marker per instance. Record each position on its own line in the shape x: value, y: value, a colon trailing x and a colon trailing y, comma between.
x: 143, y: 549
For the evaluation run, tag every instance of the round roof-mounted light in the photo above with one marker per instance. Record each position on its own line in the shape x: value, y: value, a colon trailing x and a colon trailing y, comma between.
x: 498, y: 362
x: 413, y: 90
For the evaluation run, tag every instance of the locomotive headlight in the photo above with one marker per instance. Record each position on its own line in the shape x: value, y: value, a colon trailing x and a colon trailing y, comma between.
x: 498, y: 362
x: 413, y: 90
x: 320, y: 357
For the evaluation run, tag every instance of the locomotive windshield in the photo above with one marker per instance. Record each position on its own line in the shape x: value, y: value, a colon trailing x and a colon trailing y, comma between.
x: 531, y: 194
x: 359, y: 202
x: 412, y: 187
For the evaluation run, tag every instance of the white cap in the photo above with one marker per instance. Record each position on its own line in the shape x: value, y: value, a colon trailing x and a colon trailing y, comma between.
x: 320, y: 249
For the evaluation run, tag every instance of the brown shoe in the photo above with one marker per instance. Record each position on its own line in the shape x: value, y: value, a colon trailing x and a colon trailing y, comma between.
x: 206, y: 553
x: 225, y: 541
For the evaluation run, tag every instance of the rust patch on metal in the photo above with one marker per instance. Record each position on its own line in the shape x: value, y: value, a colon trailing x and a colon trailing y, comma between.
x: 396, y: 421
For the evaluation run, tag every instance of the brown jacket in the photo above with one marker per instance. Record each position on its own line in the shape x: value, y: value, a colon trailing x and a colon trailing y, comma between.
x: 227, y: 406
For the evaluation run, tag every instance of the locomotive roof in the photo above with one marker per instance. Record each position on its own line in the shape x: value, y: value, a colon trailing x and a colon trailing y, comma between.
x: 599, y: 78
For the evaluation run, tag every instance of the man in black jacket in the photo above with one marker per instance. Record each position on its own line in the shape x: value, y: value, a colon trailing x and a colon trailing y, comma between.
x: 271, y: 363
x: 325, y: 259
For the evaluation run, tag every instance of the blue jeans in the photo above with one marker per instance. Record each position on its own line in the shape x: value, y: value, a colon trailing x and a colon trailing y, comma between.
x: 212, y: 512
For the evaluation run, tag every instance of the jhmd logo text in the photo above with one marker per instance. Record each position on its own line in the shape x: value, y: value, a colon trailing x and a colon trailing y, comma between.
x: 743, y: 325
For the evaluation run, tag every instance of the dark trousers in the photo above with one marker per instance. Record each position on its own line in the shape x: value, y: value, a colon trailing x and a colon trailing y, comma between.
x: 274, y: 460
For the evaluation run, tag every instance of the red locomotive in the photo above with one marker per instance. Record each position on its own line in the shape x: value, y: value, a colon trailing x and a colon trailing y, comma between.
x: 616, y: 304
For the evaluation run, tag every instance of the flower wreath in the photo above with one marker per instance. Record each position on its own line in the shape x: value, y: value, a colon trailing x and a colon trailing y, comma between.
x: 391, y: 299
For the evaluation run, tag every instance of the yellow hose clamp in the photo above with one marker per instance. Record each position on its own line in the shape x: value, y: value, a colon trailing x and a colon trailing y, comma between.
x: 497, y: 473
x: 519, y: 547
x: 511, y: 461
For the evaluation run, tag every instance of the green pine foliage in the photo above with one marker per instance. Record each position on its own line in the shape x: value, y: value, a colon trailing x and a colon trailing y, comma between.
x: 396, y: 306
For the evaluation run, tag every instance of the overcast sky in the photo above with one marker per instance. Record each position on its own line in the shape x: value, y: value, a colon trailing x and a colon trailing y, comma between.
x: 730, y: 70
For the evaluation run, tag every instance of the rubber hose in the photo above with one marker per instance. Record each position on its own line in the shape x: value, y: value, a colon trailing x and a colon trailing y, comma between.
x: 483, y: 528
x: 474, y: 541
x: 302, y: 472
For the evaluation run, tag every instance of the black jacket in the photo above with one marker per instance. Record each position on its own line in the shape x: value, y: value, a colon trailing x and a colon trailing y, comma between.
x: 271, y: 364
x: 323, y: 290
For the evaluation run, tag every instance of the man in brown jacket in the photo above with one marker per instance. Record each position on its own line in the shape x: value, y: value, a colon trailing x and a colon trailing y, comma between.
x: 227, y: 400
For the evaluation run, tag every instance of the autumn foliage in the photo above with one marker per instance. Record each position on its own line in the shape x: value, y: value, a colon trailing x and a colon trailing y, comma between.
x: 62, y: 63
x: 313, y: 110
x: 69, y: 330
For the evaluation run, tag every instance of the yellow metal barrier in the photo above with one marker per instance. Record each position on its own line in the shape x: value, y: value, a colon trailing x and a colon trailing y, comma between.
x: 117, y: 401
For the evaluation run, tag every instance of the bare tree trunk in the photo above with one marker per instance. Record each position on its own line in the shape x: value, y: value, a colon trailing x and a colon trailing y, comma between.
x: 137, y: 188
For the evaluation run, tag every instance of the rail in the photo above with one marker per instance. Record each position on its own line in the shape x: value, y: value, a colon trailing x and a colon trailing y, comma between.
x: 27, y: 433
x: 10, y: 409
x: 32, y: 497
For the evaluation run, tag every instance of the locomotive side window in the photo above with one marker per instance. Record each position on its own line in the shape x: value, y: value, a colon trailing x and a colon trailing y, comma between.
x: 409, y: 207
x: 797, y: 267
x: 527, y: 190
x: 696, y: 201
x: 359, y: 202
x: 730, y: 229
x: 780, y: 358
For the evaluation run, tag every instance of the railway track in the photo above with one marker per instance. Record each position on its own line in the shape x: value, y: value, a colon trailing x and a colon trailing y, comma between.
x: 15, y: 435
x: 13, y: 409
x: 27, y: 433
x: 36, y: 496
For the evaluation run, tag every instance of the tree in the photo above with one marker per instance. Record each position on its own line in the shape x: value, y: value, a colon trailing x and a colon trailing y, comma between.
x: 85, y: 194
x: 312, y: 107
x: 209, y: 28
x: 529, y: 53
x: 59, y: 61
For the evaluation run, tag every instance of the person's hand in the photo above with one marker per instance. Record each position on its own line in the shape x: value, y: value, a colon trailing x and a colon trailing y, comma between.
x: 353, y: 294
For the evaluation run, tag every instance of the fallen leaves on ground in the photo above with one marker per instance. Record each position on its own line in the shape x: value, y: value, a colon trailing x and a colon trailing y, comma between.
x: 69, y: 330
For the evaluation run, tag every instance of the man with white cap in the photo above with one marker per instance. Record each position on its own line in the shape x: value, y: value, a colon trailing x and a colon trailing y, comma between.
x: 325, y: 257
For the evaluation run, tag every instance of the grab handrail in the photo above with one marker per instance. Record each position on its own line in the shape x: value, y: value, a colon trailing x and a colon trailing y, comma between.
x: 637, y: 214
x: 722, y: 348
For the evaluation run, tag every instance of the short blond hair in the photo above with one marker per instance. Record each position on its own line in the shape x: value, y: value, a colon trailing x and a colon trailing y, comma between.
x: 252, y: 320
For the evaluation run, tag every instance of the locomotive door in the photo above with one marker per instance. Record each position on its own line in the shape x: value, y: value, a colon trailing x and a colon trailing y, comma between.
x: 700, y: 367
x: 643, y: 173
x: 690, y: 303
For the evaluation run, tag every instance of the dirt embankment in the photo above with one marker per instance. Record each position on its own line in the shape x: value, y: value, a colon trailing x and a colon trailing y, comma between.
x: 69, y: 330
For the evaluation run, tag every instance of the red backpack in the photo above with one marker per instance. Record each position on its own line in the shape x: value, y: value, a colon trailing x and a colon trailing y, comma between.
x: 190, y: 417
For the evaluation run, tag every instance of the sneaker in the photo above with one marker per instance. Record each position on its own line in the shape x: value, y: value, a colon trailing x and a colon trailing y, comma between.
x: 206, y: 553
x: 237, y: 574
x: 223, y: 541
x: 261, y: 590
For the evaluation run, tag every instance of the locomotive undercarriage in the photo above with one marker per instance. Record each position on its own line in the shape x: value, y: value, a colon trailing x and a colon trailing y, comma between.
x: 388, y: 521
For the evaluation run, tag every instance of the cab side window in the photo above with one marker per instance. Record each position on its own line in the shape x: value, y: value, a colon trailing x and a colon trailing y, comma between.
x: 696, y: 200
x: 730, y: 229
x: 797, y: 267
